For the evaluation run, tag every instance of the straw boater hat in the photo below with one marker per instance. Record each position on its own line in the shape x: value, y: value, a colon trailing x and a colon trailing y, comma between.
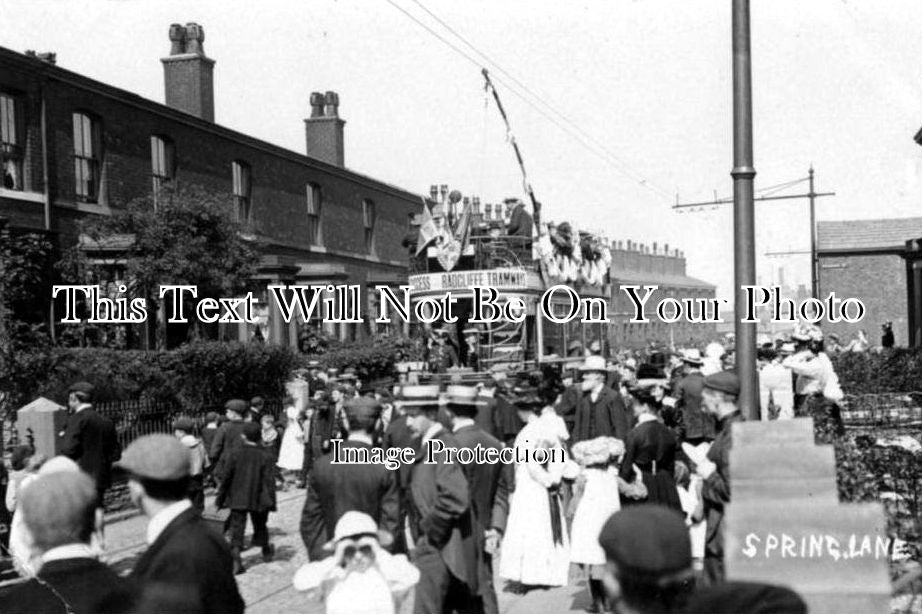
x: 467, y: 332
x: 593, y: 364
x: 461, y: 395
x: 692, y: 357
x: 418, y: 395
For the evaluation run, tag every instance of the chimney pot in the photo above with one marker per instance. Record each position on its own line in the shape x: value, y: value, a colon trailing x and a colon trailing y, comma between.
x: 195, y: 39
x: 331, y: 101
x: 177, y: 39
x: 317, y: 101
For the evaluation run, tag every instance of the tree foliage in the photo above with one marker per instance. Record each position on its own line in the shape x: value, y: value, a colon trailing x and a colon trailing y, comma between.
x: 181, y: 236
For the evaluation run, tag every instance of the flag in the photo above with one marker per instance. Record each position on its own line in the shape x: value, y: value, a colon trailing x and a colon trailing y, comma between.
x: 463, y: 227
x: 427, y: 229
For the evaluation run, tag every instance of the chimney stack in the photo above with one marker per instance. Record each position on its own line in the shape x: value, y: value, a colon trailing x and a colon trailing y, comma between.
x: 324, y: 129
x: 188, y: 73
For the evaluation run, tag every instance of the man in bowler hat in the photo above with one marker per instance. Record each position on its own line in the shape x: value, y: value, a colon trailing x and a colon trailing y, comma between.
x: 440, y: 518
x: 89, y: 438
x: 719, y: 396
x: 184, y: 557
x: 335, y: 488
x: 229, y: 438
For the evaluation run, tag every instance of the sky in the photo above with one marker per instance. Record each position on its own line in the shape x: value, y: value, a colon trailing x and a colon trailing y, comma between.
x: 619, y: 107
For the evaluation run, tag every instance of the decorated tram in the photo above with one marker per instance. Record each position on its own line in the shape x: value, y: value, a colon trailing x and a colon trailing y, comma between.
x: 459, y: 247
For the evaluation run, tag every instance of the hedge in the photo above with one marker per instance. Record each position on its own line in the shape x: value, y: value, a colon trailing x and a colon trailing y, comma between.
x: 193, y: 375
x: 892, y: 370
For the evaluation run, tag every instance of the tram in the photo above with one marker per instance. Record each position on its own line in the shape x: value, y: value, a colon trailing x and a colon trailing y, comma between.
x: 516, y: 267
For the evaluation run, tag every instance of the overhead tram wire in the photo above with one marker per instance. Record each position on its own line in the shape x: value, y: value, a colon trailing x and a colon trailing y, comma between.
x: 540, y: 99
x: 600, y: 152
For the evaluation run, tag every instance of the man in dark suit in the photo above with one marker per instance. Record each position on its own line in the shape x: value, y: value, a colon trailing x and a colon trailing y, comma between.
x: 520, y: 222
x: 398, y: 435
x: 184, y: 556
x: 697, y: 426
x: 342, y: 482
x: 59, y: 510
x: 489, y: 485
x: 720, y: 394
x: 89, y: 439
x: 440, y: 519
x: 229, y: 437
x: 600, y: 412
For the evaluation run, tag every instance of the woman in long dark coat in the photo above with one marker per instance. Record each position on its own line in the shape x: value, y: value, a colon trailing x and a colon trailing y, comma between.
x: 651, y: 446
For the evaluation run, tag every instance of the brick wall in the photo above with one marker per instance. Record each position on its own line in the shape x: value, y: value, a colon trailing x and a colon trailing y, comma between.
x: 879, y: 281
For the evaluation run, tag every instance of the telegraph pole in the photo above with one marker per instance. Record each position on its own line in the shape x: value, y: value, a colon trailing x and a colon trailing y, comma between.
x: 743, y: 174
x: 814, y: 261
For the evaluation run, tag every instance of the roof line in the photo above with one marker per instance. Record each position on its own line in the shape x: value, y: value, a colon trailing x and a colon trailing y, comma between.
x: 55, y: 72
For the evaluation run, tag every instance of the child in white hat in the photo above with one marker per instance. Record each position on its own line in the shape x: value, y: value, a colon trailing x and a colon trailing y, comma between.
x: 360, y: 577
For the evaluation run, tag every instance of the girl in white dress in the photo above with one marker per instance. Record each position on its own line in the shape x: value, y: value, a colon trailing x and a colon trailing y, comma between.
x: 535, y: 549
x: 601, y: 488
x: 291, y: 454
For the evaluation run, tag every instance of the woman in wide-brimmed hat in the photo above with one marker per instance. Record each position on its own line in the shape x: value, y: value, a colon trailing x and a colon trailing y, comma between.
x: 535, y: 550
x: 651, y: 447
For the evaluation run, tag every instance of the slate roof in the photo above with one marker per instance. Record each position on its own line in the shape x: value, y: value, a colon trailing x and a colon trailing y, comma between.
x: 867, y: 235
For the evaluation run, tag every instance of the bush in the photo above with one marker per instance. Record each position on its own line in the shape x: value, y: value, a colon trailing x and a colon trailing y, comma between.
x: 371, y: 360
x: 193, y: 375
x: 893, y: 370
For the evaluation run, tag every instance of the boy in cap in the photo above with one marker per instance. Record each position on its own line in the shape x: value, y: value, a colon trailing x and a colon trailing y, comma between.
x: 719, y: 396
x: 360, y: 577
x: 248, y: 488
x: 184, y: 430
x: 59, y: 511
x: 228, y: 438
x: 183, y: 555
x: 648, y: 566
x: 336, y: 487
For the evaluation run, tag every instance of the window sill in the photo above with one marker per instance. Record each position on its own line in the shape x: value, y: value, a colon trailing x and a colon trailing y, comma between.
x: 32, y: 197
x: 92, y: 208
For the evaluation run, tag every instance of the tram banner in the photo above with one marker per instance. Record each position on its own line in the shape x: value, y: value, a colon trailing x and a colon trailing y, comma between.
x: 503, y: 279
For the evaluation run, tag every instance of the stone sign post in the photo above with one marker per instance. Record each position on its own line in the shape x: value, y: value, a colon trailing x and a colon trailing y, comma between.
x: 39, y: 423
x: 785, y: 525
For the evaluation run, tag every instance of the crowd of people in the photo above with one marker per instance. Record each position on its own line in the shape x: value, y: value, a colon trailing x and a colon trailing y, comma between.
x: 634, y: 500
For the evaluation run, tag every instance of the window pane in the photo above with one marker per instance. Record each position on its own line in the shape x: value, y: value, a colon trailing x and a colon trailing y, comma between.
x: 8, y: 120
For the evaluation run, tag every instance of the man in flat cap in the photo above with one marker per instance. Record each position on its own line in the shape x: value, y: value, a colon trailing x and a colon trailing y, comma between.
x: 719, y: 397
x: 229, y: 437
x: 440, y: 517
x: 489, y: 485
x: 183, y: 555
x: 248, y: 488
x: 89, y: 438
x: 59, y: 510
x: 336, y: 487
x: 648, y: 556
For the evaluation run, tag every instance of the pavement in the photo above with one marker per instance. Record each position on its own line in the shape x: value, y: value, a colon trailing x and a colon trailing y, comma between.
x: 266, y: 587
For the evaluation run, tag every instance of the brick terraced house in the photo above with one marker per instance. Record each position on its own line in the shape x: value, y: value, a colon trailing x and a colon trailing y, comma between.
x: 75, y: 147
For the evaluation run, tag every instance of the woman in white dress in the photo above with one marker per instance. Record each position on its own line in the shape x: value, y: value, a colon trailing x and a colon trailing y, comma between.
x: 291, y: 454
x: 535, y: 549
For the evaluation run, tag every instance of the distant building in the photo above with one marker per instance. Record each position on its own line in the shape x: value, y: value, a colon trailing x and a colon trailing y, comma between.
x: 642, y: 265
x: 866, y: 259
x: 74, y: 147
